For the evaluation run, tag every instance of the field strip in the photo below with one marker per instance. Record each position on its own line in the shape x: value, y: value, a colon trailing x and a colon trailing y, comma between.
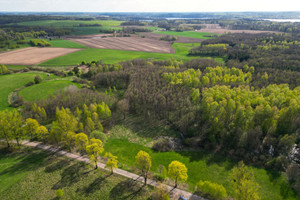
x: 33, y: 55
x: 121, y: 172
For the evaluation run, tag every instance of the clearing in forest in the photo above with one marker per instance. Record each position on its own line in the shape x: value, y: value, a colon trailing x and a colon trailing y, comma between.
x: 33, y: 55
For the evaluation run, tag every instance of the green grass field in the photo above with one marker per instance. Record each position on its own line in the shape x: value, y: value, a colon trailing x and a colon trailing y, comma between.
x: 15, y: 166
x: 37, y: 175
x: 8, y: 83
x: 65, y: 44
x: 202, y: 166
x: 44, y: 89
x: 110, y: 56
x: 191, y: 34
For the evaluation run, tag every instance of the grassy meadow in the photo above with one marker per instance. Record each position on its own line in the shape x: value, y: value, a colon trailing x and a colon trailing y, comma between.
x: 8, y: 83
x: 191, y: 34
x: 44, y: 89
x: 65, y: 44
x: 35, y: 174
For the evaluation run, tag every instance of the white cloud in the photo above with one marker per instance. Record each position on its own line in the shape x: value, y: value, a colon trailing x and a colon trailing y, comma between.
x: 148, y: 5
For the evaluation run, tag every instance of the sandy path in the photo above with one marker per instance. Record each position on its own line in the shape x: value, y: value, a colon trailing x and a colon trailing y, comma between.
x: 174, y: 192
x: 33, y: 55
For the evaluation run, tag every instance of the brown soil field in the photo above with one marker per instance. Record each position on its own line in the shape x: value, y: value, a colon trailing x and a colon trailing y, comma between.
x: 133, y: 43
x: 33, y: 55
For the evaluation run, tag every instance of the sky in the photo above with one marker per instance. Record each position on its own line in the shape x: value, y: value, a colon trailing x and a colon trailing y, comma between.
x: 148, y: 5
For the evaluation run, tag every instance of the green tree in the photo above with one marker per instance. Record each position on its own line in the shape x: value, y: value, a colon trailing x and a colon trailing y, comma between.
x: 42, y: 133
x: 31, y: 127
x: 243, y: 184
x: 177, y: 171
x: 111, y: 162
x: 81, y: 141
x: 68, y: 138
x: 64, y: 122
x: 94, y: 149
x: 143, y: 162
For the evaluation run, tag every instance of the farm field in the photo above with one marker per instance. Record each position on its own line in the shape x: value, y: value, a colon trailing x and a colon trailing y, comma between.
x: 191, y: 34
x: 133, y: 43
x: 110, y: 56
x: 44, y: 89
x: 33, y: 55
x: 8, y: 83
x: 23, y: 173
x: 65, y: 44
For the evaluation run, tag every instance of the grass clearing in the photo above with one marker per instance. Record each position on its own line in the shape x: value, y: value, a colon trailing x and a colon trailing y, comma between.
x: 76, y: 179
x: 202, y: 166
x: 65, y: 44
x: 44, y: 89
x: 8, y: 83
x: 110, y: 56
x: 191, y: 34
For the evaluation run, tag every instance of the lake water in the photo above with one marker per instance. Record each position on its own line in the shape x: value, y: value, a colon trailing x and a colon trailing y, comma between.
x: 283, y: 20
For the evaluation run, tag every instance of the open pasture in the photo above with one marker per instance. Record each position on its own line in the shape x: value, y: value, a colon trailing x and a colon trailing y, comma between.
x: 33, y: 55
x: 133, y: 43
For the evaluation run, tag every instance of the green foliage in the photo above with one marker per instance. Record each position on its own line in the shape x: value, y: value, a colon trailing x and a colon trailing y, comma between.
x: 59, y: 193
x: 177, y: 171
x: 243, y: 183
x: 94, y: 149
x: 39, y: 43
x: 99, y: 135
x: 213, y: 190
x: 161, y: 193
x: 37, y: 79
x: 111, y: 162
x: 81, y: 141
x: 11, y: 126
x: 210, y: 76
x: 3, y: 70
x: 143, y: 162
x: 31, y: 127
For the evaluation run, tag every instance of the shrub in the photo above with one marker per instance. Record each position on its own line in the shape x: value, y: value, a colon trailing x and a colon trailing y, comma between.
x: 59, y: 193
x: 161, y: 193
x: 37, y: 79
x: 98, y: 135
x: 162, y: 172
x: 213, y: 190
x: 162, y: 145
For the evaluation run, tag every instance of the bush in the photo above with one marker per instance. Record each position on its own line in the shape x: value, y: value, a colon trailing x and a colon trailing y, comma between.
x: 59, y: 193
x: 162, y: 145
x: 212, y: 190
x: 37, y: 79
x: 98, y: 135
x: 162, y: 173
x: 161, y: 193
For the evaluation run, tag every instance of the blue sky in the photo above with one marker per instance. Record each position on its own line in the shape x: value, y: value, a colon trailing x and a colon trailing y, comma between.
x: 148, y: 5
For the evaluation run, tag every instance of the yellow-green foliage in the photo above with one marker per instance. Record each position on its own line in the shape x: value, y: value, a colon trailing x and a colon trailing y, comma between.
x: 246, y: 108
x: 214, y: 190
x: 214, y: 46
x: 42, y: 133
x: 31, y: 127
x: 39, y: 43
x: 243, y: 183
x: 211, y: 76
x: 94, y: 149
x: 81, y: 141
x: 177, y: 171
x: 144, y: 163
x: 111, y: 162
x: 3, y: 70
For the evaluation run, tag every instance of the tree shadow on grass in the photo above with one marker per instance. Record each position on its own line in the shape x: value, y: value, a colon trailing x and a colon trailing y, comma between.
x: 29, y: 162
x: 70, y: 175
x: 94, y: 186
x: 57, y: 165
x: 128, y: 189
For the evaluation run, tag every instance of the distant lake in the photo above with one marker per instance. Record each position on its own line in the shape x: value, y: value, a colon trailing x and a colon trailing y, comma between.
x: 283, y: 20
